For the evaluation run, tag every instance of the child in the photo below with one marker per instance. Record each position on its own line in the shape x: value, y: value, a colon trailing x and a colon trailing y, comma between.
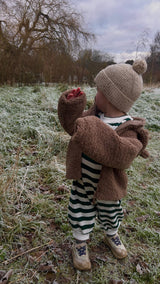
x: 104, y: 142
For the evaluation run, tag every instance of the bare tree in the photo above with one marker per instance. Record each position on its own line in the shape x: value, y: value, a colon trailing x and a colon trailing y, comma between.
x: 31, y: 23
x: 28, y: 26
x: 142, y: 41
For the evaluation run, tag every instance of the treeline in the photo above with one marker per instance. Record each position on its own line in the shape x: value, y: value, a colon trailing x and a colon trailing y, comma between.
x: 153, y: 72
x: 49, y: 65
x: 42, y: 40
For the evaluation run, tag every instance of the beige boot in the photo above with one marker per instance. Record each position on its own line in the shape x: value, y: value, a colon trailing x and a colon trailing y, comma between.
x: 80, y: 256
x: 116, y: 246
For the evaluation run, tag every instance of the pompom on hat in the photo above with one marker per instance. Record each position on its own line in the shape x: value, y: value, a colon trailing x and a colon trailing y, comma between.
x: 122, y: 84
x: 140, y: 66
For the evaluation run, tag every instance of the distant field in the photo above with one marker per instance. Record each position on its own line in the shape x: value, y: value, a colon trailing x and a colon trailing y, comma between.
x: 35, y: 237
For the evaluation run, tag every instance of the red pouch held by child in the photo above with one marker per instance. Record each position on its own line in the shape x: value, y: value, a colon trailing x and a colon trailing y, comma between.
x: 75, y: 93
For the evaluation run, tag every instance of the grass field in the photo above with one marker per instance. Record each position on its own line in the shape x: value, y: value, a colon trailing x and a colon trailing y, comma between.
x: 35, y: 237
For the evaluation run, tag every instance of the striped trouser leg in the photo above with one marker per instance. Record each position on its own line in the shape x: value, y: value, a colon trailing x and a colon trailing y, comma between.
x: 110, y: 215
x: 82, y: 211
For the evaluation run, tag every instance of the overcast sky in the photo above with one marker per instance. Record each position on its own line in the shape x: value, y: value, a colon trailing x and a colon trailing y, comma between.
x: 120, y: 24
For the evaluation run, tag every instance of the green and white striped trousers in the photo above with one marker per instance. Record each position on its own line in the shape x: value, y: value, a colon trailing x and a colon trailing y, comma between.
x: 82, y: 212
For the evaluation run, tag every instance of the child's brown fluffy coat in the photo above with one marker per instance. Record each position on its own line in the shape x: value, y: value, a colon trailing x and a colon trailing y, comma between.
x: 114, y: 150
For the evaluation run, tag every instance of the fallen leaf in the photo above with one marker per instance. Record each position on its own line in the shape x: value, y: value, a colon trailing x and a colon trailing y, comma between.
x: 139, y: 269
x: 157, y: 213
x: 47, y: 267
x: 2, y: 273
x: 5, y: 278
x: 129, y: 229
x: 131, y: 203
x: 47, y: 192
x: 102, y: 258
x: 62, y: 188
x: 31, y: 259
x: 142, y: 218
x: 132, y: 281
x: 44, y: 188
x: 125, y: 212
x: 58, y: 197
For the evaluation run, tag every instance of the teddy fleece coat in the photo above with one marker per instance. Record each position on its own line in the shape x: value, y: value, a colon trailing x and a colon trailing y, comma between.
x: 115, y: 150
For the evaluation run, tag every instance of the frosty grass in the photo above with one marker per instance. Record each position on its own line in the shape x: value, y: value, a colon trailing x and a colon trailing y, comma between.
x: 32, y: 167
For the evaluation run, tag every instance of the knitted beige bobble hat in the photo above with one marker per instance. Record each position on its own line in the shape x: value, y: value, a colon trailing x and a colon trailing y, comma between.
x: 122, y: 84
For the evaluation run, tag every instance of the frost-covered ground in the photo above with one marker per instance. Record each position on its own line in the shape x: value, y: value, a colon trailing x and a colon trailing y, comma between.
x: 31, y: 112
x: 34, y: 195
x: 147, y: 106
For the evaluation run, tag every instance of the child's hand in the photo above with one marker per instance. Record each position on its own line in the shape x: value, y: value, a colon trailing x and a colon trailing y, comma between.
x: 75, y: 93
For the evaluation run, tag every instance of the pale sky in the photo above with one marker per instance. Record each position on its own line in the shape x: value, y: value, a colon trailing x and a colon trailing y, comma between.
x: 120, y: 24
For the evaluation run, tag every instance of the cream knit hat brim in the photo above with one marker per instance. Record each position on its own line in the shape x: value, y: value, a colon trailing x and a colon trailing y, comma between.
x: 121, y: 84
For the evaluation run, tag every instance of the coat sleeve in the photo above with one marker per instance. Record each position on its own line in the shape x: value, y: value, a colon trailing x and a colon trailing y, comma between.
x: 101, y: 143
x: 70, y: 110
